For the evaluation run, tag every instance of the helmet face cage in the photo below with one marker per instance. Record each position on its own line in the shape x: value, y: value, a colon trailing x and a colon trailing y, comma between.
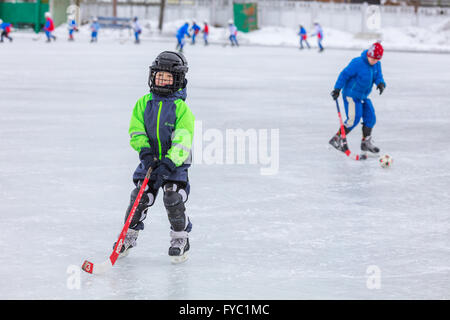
x: 178, y: 81
x: 172, y: 63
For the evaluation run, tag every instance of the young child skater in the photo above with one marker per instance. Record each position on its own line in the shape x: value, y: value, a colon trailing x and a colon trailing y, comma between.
x: 49, y: 27
x: 95, y: 27
x: 71, y: 26
x: 303, y: 36
x: 205, y: 32
x: 233, y: 33
x: 5, y: 29
x: 137, y: 30
x: 161, y: 131
x: 195, y: 30
x: 356, y: 81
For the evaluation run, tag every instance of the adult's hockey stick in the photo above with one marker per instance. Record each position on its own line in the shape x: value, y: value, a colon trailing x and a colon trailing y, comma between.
x: 345, y: 148
x: 99, y: 268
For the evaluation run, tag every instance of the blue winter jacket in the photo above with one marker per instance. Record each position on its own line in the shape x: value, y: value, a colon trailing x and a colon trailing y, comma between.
x: 302, y: 31
x: 5, y: 25
x: 163, y: 127
x: 184, y: 30
x: 358, y: 78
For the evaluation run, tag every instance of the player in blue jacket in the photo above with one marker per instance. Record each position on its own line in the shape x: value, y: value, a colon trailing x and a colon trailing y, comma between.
x: 181, y: 32
x: 195, y: 30
x: 95, y: 26
x: 303, y: 35
x: 356, y: 82
x: 5, y: 29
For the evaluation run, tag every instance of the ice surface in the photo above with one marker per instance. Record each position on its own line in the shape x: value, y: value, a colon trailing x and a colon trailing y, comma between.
x: 312, y: 231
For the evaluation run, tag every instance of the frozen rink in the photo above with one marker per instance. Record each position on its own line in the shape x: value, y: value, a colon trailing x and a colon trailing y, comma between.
x: 314, y: 230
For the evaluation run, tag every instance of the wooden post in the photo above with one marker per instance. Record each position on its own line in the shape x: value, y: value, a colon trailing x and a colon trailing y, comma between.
x: 161, y: 15
x: 115, y: 8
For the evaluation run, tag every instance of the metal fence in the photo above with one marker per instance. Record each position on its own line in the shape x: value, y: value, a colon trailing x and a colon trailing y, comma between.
x: 286, y: 13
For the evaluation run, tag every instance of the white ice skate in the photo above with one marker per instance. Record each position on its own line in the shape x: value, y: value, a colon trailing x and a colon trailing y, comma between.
x: 128, y: 243
x: 179, y: 246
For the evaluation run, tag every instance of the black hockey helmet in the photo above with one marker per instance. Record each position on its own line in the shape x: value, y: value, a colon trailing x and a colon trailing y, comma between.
x: 174, y: 63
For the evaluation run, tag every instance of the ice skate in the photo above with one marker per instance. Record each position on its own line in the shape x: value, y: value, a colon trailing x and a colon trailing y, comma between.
x: 367, y: 145
x: 128, y: 243
x: 336, y: 142
x: 179, y: 246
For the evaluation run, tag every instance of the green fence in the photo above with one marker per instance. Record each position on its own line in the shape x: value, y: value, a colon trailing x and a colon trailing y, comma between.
x: 245, y: 16
x: 24, y: 13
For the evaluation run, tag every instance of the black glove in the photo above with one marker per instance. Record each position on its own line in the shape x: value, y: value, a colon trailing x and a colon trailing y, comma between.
x: 147, y: 159
x: 335, y: 93
x: 162, y: 172
x: 381, y: 87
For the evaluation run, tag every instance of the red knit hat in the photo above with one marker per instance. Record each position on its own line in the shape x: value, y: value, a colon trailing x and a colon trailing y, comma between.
x: 375, y: 51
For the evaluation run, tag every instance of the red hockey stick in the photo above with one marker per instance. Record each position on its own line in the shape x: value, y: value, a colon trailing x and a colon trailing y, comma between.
x: 100, y: 268
x: 344, y: 138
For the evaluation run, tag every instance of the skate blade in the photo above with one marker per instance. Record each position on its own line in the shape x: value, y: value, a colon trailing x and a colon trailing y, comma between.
x: 368, y: 154
x: 179, y: 259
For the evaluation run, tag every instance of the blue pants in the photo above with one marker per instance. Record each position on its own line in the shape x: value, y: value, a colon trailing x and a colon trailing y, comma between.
x: 136, y: 35
x: 205, y: 37
x: 49, y: 35
x: 233, y: 40
x: 355, y: 109
x: 180, y: 43
x: 301, y: 43
x: 94, y: 35
x: 319, y: 43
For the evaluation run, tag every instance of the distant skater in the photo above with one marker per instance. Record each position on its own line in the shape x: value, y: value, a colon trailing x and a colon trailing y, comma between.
x: 319, y: 33
x: 95, y: 27
x: 205, y: 32
x: 49, y: 27
x: 303, y: 36
x: 71, y: 26
x: 137, y: 30
x: 5, y: 28
x: 233, y: 33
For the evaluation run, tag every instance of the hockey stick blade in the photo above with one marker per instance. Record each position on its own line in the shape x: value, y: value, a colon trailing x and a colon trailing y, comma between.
x: 98, y: 268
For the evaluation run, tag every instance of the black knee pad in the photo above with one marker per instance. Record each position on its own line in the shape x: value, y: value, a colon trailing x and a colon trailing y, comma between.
x: 141, y: 210
x: 173, y: 201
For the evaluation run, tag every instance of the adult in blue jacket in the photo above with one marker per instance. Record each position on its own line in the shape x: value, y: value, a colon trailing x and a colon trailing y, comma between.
x: 181, y: 32
x: 356, y: 82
